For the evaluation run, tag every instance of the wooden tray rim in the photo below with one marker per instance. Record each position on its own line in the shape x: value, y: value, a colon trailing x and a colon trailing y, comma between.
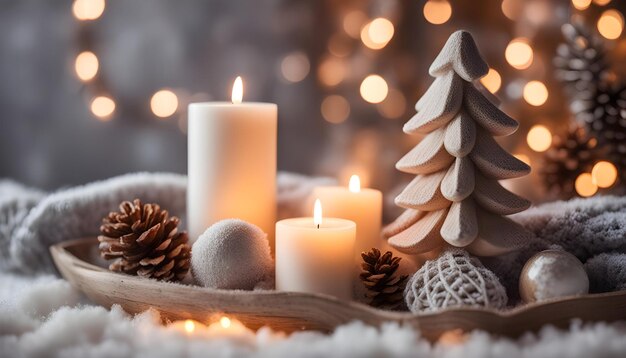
x: 498, y: 318
x: 60, y: 249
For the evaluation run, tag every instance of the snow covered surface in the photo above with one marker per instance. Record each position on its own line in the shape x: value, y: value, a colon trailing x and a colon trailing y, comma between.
x: 45, y: 317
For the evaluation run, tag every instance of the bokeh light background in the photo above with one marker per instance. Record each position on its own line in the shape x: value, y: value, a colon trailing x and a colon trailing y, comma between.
x: 93, y: 89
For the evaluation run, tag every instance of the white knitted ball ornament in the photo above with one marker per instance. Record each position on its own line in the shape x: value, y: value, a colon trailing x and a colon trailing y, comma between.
x: 454, y: 279
x: 231, y: 254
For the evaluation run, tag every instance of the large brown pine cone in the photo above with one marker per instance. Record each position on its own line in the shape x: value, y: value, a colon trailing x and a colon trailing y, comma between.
x: 144, y: 241
x: 384, y: 287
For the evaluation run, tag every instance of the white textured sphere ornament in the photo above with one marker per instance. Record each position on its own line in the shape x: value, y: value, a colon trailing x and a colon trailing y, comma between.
x: 453, y: 280
x: 231, y: 254
x: 552, y: 274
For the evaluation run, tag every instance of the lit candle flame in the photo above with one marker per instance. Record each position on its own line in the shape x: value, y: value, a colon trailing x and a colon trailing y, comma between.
x: 355, y: 184
x: 225, y: 322
x: 237, y: 95
x: 317, y: 213
x: 190, y: 326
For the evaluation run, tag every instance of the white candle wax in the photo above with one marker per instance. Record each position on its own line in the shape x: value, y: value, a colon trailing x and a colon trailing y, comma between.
x: 363, y: 206
x: 231, y: 165
x: 315, y: 260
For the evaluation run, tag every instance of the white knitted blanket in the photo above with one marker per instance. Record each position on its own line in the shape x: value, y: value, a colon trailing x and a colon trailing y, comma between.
x: 30, y: 221
x: 43, y: 316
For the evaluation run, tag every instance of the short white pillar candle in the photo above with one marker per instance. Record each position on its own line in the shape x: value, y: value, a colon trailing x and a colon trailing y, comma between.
x: 315, y: 255
x: 361, y: 205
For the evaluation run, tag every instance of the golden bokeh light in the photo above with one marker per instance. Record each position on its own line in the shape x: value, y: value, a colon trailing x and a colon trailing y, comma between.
x: 611, y: 24
x: 367, y: 39
x: 225, y: 322
x: 584, y: 185
x: 295, y: 67
x: 374, y: 89
x: 512, y: 8
x: 380, y: 30
x: 86, y: 65
x: 539, y: 138
x: 394, y: 106
x: 453, y: 337
x: 519, y: 54
x: 88, y: 9
x: 492, y: 81
x: 537, y: 13
x: 604, y: 174
x: 190, y: 326
x: 353, y: 23
x: 102, y: 107
x: 164, y: 103
x: 332, y: 71
x: 535, y: 93
x: 581, y: 4
x: 437, y: 12
x: 335, y: 109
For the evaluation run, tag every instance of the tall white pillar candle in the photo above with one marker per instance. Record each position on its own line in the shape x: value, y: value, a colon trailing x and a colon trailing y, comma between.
x: 315, y: 255
x: 361, y: 205
x: 231, y: 163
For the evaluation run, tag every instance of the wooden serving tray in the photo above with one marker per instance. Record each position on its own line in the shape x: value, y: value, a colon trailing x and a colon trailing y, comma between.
x: 79, y: 263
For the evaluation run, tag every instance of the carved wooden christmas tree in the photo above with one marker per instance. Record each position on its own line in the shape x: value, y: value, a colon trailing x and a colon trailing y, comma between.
x: 456, y: 197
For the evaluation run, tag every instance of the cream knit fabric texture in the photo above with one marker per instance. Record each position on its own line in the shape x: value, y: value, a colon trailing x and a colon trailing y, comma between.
x: 455, y: 279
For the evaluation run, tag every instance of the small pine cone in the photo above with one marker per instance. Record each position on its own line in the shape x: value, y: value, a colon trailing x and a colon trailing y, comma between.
x: 144, y: 241
x: 384, y: 287
x: 604, y: 114
x: 569, y: 155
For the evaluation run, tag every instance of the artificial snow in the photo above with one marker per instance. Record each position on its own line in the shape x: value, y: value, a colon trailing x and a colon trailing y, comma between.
x: 44, y: 317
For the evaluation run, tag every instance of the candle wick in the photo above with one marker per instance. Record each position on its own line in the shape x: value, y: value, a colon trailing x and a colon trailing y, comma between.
x: 318, y: 226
